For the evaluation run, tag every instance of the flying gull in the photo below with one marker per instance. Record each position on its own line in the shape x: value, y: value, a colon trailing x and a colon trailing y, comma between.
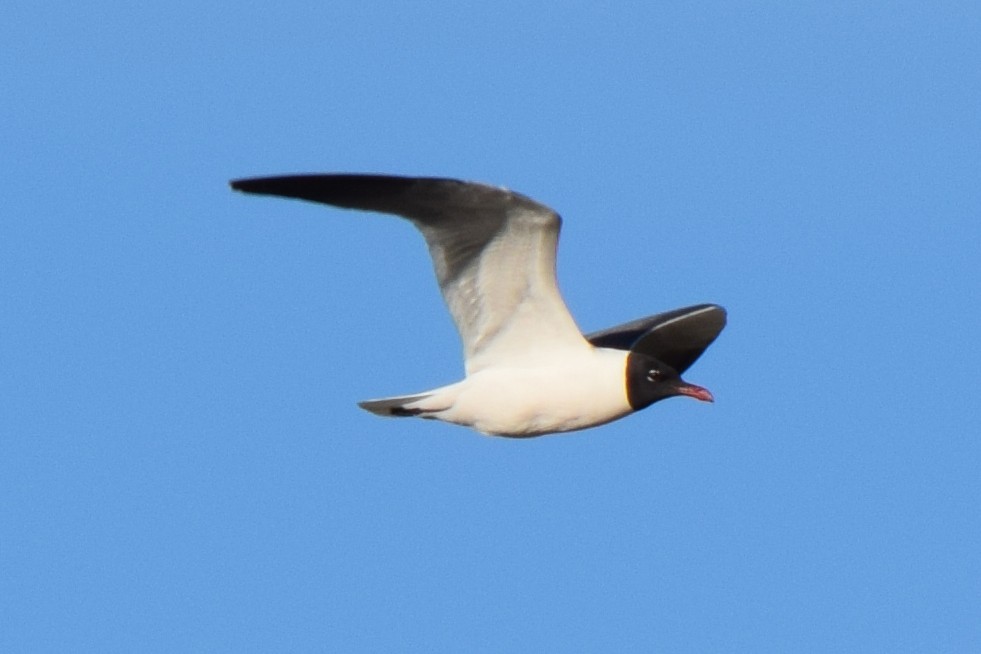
x: 529, y: 369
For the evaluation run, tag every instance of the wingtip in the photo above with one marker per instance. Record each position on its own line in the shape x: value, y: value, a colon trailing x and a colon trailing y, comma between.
x: 283, y: 185
x: 723, y: 314
x: 717, y: 309
x: 241, y: 184
x: 269, y: 185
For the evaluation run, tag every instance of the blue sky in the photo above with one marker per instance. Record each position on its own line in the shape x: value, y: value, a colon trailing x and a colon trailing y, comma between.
x: 183, y: 466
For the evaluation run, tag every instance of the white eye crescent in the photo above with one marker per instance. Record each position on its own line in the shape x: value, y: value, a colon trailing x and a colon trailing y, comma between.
x: 653, y: 375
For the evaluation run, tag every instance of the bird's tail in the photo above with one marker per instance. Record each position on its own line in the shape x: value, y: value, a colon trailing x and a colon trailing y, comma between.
x: 401, y: 406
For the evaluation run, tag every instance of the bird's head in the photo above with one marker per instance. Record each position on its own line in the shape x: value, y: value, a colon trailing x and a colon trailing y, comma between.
x: 650, y: 380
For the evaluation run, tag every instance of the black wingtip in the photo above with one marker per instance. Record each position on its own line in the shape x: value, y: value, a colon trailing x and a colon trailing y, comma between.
x: 257, y: 185
x: 271, y: 185
x: 313, y: 188
x: 716, y: 313
x: 351, y: 191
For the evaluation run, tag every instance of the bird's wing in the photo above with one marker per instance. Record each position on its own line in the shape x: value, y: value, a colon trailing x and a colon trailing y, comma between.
x: 676, y: 337
x: 493, y: 251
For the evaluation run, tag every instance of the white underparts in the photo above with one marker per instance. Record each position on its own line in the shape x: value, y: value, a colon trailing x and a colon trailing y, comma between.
x: 585, y: 388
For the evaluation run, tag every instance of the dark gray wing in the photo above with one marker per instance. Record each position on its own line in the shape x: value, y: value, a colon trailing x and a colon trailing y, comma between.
x: 676, y: 337
x: 493, y: 251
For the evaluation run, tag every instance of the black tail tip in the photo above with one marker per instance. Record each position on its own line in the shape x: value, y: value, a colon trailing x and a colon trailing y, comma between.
x: 402, y: 412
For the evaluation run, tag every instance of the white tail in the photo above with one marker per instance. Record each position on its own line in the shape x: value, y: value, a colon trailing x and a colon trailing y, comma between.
x: 396, y: 406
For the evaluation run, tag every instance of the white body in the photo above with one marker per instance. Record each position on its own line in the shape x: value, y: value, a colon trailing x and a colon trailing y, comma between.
x: 571, y: 390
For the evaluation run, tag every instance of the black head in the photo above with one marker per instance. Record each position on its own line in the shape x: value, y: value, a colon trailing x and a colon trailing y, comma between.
x: 650, y: 380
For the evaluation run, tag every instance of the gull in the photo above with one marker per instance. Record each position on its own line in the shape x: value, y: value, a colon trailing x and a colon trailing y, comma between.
x: 530, y: 371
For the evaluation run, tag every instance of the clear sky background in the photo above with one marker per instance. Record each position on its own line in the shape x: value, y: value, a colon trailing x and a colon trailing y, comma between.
x: 183, y: 466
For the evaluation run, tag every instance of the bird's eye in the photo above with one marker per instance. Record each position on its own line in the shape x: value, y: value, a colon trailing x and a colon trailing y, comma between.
x: 653, y: 375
